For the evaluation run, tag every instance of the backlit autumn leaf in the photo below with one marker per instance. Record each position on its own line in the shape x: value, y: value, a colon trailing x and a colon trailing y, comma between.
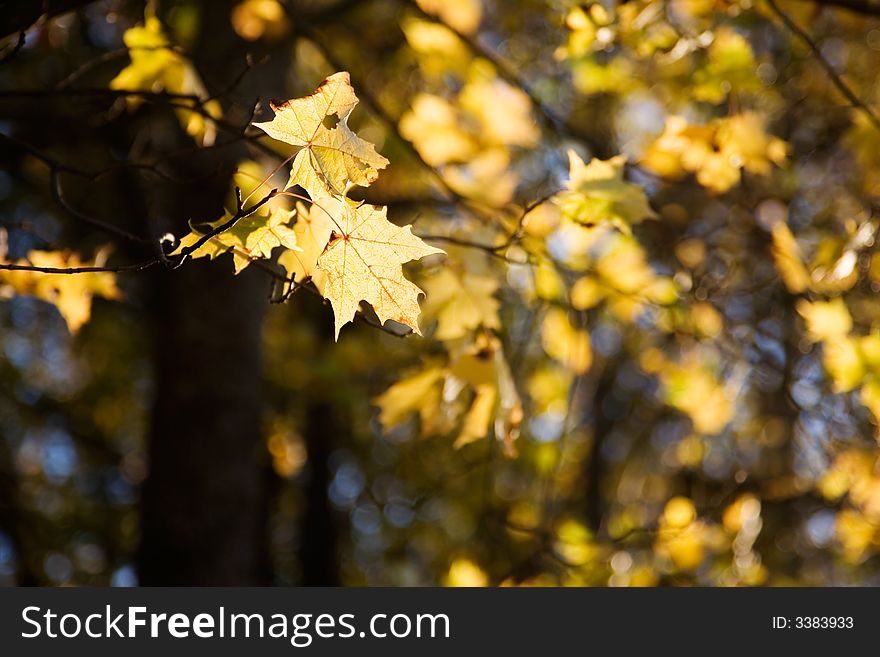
x: 331, y: 154
x: 363, y: 262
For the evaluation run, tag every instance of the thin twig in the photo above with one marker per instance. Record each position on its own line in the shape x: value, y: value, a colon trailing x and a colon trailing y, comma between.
x: 100, y: 224
x: 836, y: 80
x: 89, y: 66
x: 249, y: 64
x: 496, y: 250
x: 140, y: 266
x: 240, y: 213
x: 38, y: 94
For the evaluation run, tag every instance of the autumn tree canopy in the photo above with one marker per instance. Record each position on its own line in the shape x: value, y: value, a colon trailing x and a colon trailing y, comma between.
x: 456, y: 292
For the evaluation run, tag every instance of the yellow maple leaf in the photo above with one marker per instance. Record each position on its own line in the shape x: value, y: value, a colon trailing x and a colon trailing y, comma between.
x: 362, y: 262
x: 331, y: 155
x: 597, y: 193
x: 495, y: 404
x: 264, y: 235
x: 250, y: 238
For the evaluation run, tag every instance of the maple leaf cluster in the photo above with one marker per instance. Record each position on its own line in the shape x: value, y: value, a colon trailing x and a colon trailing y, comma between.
x: 349, y: 250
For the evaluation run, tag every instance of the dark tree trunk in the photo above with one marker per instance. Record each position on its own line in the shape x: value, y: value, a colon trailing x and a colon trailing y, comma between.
x: 318, y: 552
x: 203, y: 506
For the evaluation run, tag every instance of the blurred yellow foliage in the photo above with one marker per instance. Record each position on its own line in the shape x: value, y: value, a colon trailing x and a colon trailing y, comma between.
x: 462, y: 15
x: 680, y: 536
x: 471, y: 134
x: 461, y: 301
x: 255, y: 19
x: 717, y: 152
x: 465, y: 572
x: 574, y: 542
x: 565, y: 343
x: 854, y: 476
x: 155, y: 67
x: 70, y: 293
x: 691, y: 386
x: 826, y: 320
x: 596, y: 193
x: 419, y: 393
x: 788, y: 259
x: 730, y: 66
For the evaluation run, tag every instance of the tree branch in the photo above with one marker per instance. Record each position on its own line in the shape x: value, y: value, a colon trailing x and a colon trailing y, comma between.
x: 867, y: 7
x: 140, y: 266
x: 240, y: 213
x: 836, y: 80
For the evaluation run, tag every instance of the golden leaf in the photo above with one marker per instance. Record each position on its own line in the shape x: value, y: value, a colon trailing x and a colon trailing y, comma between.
x: 250, y: 238
x: 331, y: 154
x: 495, y: 404
x: 362, y: 262
x: 715, y: 153
x: 597, y: 193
